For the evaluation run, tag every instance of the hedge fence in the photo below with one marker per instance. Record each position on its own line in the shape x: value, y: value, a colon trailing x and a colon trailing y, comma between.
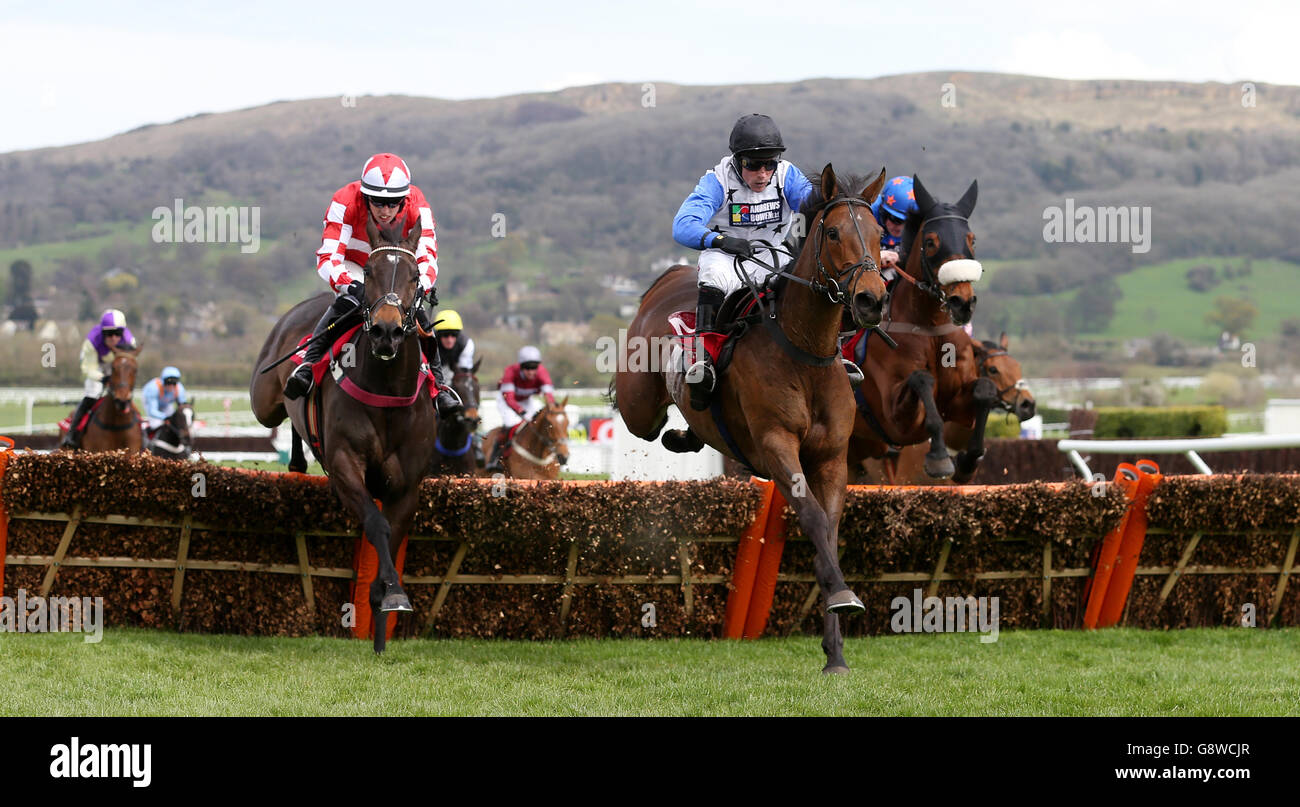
x: 204, y: 548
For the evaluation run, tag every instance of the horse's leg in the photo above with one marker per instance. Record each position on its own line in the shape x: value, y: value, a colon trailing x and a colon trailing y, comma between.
x: 985, y: 393
x: 378, y: 616
x: 349, y: 479
x: 297, y: 462
x: 937, y: 462
x: 827, y: 485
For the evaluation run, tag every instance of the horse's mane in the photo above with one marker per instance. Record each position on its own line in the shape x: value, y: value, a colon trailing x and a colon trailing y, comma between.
x: 817, y: 200
x: 990, y: 344
x: 657, y: 281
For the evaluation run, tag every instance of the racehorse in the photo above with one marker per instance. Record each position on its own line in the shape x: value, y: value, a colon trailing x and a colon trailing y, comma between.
x: 908, y: 388
x: 379, y: 449
x: 172, y: 440
x: 540, y: 446
x: 785, y: 401
x: 1013, y: 397
x: 454, y: 448
x: 114, y: 422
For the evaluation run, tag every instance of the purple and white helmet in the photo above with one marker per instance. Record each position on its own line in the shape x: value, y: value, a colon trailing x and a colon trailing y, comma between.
x: 113, y: 320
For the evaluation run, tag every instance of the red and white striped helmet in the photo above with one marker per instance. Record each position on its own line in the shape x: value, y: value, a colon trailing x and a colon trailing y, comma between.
x: 385, y: 175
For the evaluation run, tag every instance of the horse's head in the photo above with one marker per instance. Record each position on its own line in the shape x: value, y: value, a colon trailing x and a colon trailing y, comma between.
x: 181, y: 420
x: 122, y: 381
x: 943, y: 247
x: 1005, y: 373
x: 846, y: 244
x: 392, y: 281
x: 552, y: 424
x: 465, y: 383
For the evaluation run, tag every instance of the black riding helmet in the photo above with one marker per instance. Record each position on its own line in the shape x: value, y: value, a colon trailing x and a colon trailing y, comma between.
x: 755, y: 136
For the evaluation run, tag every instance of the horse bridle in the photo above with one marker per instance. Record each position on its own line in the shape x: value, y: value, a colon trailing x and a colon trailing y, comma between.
x: 830, y: 286
x: 1020, y: 386
x: 121, y: 384
x: 930, y: 284
x: 391, y: 298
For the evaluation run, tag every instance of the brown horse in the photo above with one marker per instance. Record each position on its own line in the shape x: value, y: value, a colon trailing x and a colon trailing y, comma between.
x: 115, y: 423
x: 376, y: 450
x: 1013, y: 397
x: 785, y: 401
x: 930, y: 376
x: 454, y: 448
x: 540, y: 446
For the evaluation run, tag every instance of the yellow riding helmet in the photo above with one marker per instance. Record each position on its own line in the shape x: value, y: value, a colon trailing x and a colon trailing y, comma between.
x: 447, y: 321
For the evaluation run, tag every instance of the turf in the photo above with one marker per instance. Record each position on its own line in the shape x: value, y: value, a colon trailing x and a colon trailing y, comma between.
x: 1115, y: 672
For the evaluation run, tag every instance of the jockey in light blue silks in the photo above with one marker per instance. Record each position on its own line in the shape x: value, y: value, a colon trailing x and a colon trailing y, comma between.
x: 97, y: 365
x: 895, y: 203
x: 751, y: 194
x: 162, y: 396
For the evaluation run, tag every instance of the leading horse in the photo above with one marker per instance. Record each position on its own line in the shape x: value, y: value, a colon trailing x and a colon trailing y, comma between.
x: 785, y: 400
x: 378, y: 449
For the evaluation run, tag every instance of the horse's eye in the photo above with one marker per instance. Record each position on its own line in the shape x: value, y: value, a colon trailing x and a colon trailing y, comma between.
x: 833, y: 233
x: 993, y: 371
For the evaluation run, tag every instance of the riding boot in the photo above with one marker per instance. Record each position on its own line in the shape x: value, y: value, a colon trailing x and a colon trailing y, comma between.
x: 494, y: 462
x: 700, y: 377
x: 300, y: 380
x: 447, y: 402
x: 73, y: 438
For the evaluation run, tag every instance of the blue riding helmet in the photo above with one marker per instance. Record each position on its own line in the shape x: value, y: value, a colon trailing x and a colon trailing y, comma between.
x: 170, y: 373
x: 897, y: 199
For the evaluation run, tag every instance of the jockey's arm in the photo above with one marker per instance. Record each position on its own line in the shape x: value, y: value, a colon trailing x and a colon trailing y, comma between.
x: 182, y: 397
x: 466, y: 360
x: 90, y: 367
x: 334, y: 245
x: 548, y: 389
x: 797, y: 188
x: 426, y: 251
x: 690, y: 224
x: 152, y: 407
x: 507, y: 392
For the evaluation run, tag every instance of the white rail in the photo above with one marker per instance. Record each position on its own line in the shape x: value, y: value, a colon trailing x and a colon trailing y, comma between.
x: 1190, y: 447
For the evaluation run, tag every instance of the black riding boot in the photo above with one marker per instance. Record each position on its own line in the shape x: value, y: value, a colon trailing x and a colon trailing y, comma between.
x: 73, y: 438
x: 494, y: 462
x: 448, y: 402
x: 700, y: 377
x: 300, y: 381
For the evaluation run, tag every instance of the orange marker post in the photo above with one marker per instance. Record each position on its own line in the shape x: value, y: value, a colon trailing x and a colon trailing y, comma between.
x: 769, y: 565
x: 6, y: 451
x: 366, y: 562
x: 747, y: 555
x: 1130, y: 549
x: 1127, y: 478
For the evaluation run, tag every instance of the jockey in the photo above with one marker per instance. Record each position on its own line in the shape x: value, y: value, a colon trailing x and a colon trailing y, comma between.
x: 97, y: 365
x: 162, y: 396
x: 519, y: 383
x: 385, y: 194
x: 751, y: 194
x: 455, y: 349
x: 895, y: 203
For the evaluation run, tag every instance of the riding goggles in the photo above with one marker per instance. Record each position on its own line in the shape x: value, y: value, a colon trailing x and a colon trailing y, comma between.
x: 528, y: 365
x: 758, y: 165
x: 384, y: 202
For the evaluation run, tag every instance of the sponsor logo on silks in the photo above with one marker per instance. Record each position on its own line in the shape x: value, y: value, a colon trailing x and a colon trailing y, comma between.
x: 91, y: 761
x: 756, y: 214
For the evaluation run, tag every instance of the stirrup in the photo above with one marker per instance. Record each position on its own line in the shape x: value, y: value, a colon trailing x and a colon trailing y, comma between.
x: 699, y: 373
x: 855, y: 373
x: 300, y: 382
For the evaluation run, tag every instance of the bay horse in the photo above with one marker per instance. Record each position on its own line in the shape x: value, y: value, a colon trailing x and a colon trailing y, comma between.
x: 114, y: 422
x: 375, y: 450
x: 540, y: 446
x: 1013, y: 397
x: 785, y: 401
x: 173, y: 440
x: 454, y: 447
x: 930, y: 376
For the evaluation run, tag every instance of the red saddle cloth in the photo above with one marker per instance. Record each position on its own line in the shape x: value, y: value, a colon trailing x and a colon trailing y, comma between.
x: 851, y: 346
x: 683, y: 323
x: 321, y: 368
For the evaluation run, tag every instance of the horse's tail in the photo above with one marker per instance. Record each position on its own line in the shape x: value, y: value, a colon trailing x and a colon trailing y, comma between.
x: 609, y: 396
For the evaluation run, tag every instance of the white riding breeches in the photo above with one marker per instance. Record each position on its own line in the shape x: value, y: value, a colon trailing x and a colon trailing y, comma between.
x: 718, y: 269
x: 508, y: 416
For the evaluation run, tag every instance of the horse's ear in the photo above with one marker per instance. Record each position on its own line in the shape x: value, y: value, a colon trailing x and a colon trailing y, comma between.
x: 924, y: 201
x: 564, y: 402
x: 870, y: 192
x: 966, y: 203
x: 1002, y: 341
x: 830, y: 185
x: 372, y: 231
x: 412, y: 239
x: 477, y: 362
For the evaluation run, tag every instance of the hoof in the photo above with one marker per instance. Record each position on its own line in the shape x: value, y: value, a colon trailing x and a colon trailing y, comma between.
x: 397, y: 601
x: 836, y: 670
x: 681, y: 441
x: 845, y: 602
x: 939, y: 467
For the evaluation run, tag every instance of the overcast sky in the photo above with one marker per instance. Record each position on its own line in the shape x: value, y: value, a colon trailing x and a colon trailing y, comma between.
x: 79, y: 71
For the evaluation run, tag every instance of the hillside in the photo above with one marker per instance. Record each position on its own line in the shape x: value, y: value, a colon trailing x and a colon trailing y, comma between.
x: 589, y: 178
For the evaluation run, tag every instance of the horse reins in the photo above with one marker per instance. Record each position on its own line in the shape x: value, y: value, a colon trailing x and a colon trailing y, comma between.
x: 1020, y: 386
x: 391, y: 298
x: 548, y: 443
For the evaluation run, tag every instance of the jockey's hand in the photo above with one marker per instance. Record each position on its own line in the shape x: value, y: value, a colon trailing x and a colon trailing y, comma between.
x: 520, y: 411
x: 888, y: 258
x: 431, y: 297
x: 735, y: 246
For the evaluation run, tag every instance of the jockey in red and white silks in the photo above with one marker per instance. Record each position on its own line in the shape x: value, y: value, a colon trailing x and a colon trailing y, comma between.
x: 520, y: 385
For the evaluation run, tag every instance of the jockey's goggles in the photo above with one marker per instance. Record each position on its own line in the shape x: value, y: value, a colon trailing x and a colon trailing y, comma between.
x: 448, y: 333
x: 895, y: 219
x: 112, y: 332
x: 528, y: 365
x: 751, y: 164
x: 171, y: 380
x: 379, y: 201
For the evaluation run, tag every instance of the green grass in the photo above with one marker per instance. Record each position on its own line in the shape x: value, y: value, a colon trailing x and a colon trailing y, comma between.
x: 1227, y: 671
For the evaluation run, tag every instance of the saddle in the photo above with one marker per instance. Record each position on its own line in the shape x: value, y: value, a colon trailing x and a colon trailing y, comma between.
x: 66, y: 424
x: 738, y: 312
